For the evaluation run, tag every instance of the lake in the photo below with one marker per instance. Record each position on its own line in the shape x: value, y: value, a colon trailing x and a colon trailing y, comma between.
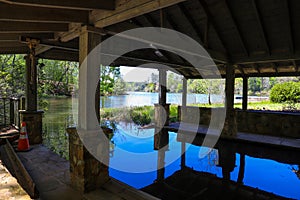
x: 267, y: 169
x: 146, y: 98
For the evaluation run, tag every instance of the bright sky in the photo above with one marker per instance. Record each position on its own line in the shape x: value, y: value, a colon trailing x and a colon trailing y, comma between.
x: 136, y: 74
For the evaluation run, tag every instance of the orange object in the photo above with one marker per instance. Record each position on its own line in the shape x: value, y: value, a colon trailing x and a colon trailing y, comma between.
x: 23, y: 143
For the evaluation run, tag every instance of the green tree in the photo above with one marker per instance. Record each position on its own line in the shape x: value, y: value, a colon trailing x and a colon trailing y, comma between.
x: 108, y: 77
x: 119, y: 87
x: 285, y: 92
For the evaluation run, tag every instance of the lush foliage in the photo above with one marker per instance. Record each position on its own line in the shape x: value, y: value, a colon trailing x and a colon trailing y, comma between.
x: 12, y: 79
x: 285, y: 92
x: 57, y: 77
x: 141, y: 115
x: 111, y: 81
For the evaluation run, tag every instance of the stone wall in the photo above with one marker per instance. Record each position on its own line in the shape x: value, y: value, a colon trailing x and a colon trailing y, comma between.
x: 272, y: 123
x: 86, y: 172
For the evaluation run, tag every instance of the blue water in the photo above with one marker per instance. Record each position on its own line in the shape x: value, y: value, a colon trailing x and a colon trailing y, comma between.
x: 264, y: 174
x: 145, y: 99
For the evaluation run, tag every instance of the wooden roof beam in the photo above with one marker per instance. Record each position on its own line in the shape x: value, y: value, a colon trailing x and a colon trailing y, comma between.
x: 16, y: 36
x: 211, y: 20
x: 241, y: 69
x: 66, y: 4
x: 261, y: 27
x: 237, y: 29
x: 31, y: 27
x: 127, y: 9
x: 275, y: 67
x: 10, y: 12
x: 289, y: 29
x: 256, y: 66
x: 295, y: 66
x: 14, y: 50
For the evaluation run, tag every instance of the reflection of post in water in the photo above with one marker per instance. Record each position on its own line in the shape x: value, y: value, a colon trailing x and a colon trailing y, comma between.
x: 242, y: 169
x: 183, y: 149
x: 226, y: 159
x: 161, y: 143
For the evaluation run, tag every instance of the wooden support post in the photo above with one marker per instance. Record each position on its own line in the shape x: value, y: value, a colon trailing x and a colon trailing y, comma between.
x: 88, y: 173
x: 184, y: 92
x: 245, y: 93
x: 31, y: 115
x: 88, y: 40
x: 183, y: 112
x: 162, y: 86
x: 31, y: 83
x: 230, y: 128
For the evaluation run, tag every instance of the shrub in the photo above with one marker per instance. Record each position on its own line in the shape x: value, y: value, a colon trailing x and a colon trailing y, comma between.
x: 285, y: 92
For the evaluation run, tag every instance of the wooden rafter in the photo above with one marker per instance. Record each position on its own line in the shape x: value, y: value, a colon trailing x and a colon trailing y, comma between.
x: 289, y: 29
x: 31, y: 27
x: 211, y: 20
x: 261, y: 26
x: 151, y: 20
x: 190, y: 20
x: 128, y: 9
x: 237, y: 29
x: 66, y: 4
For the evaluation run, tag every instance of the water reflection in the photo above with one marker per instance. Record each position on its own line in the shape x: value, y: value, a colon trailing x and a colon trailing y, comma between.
x: 241, y: 164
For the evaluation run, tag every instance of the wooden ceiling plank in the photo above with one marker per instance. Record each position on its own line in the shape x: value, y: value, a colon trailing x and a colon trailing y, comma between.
x: 66, y: 4
x: 190, y: 20
x: 237, y: 29
x: 35, y: 14
x: 127, y: 9
x: 261, y: 27
x: 289, y: 29
x: 211, y: 20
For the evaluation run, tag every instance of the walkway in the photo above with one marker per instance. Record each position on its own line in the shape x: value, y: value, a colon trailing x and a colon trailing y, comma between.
x: 185, y: 128
x: 51, y: 175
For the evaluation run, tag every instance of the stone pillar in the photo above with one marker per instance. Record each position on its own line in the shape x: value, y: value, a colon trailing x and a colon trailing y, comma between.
x: 160, y: 176
x: 245, y: 93
x: 230, y: 126
x: 34, y: 125
x: 86, y: 172
x: 31, y: 115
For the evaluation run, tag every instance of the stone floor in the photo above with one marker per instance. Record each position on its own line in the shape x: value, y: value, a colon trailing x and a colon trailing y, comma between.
x: 52, y: 178
x: 241, y: 136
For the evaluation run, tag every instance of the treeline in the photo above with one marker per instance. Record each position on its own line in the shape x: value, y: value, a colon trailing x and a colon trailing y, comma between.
x: 257, y: 86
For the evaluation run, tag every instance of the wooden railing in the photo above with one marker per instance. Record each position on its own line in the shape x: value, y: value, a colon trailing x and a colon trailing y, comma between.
x: 9, y: 111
